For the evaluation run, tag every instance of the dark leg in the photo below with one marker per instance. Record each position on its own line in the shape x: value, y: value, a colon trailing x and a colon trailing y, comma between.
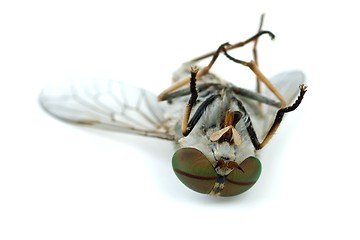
x: 236, y: 45
x: 252, y: 65
x: 279, y: 116
x: 191, y: 102
x: 214, y: 55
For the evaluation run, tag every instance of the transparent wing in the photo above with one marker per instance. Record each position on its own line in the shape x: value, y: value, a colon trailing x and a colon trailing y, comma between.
x: 107, y: 104
x: 288, y: 85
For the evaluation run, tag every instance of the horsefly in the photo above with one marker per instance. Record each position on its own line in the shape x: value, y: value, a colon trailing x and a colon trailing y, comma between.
x: 217, y: 127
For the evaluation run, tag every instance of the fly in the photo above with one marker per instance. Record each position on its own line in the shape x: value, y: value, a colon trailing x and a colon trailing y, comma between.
x: 217, y: 127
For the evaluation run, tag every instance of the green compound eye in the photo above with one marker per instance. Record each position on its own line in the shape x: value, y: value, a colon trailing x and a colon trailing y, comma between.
x: 194, y: 170
x: 197, y: 173
x: 242, y: 178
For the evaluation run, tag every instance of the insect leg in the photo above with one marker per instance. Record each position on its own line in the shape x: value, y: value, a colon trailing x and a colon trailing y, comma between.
x: 214, y: 55
x: 199, y: 112
x: 205, y: 88
x: 279, y: 116
x: 187, y: 125
x: 256, y: 96
x: 252, y: 65
x: 236, y: 45
x: 200, y: 73
x: 250, y: 129
x: 191, y: 102
x: 255, y: 56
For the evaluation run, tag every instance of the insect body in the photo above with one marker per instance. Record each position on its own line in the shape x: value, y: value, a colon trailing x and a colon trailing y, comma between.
x: 217, y: 127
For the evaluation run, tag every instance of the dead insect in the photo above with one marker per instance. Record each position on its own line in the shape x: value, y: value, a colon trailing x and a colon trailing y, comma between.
x: 217, y: 127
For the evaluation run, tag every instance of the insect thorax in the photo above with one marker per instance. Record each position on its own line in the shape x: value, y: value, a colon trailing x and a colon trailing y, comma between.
x: 212, y: 121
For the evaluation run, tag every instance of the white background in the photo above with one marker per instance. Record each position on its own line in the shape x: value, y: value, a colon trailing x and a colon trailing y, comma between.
x: 59, y: 181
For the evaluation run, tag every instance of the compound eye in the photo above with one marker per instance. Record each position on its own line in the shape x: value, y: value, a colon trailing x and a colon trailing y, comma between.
x: 242, y: 178
x: 194, y: 170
